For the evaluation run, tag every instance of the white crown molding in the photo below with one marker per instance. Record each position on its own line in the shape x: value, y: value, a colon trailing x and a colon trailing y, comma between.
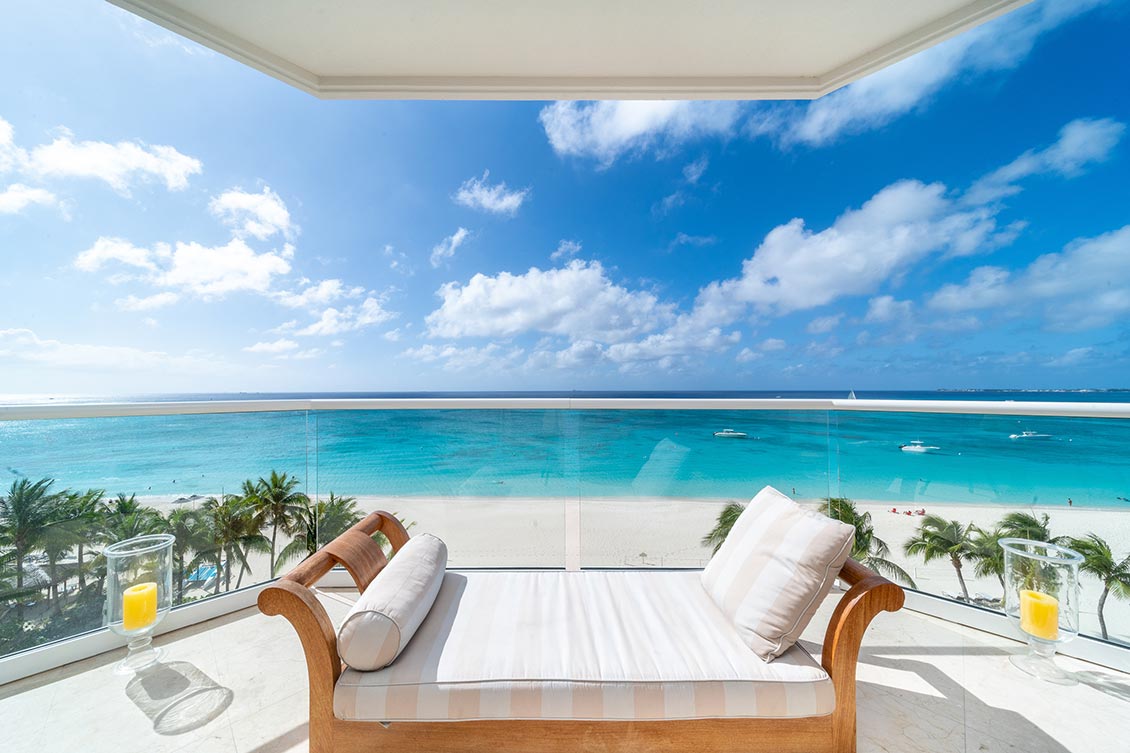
x: 167, y: 15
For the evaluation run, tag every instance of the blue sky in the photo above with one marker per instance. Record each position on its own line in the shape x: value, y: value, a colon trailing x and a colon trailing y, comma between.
x: 171, y: 220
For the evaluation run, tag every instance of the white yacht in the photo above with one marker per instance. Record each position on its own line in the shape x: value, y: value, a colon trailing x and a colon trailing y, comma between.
x: 917, y: 445
x: 1029, y: 435
x: 731, y: 434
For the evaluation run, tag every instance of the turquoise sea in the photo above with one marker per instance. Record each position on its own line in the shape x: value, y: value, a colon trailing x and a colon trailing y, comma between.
x: 626, y: 453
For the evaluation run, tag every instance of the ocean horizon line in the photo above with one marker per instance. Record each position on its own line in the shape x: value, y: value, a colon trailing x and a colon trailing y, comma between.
x: 1098, y: 394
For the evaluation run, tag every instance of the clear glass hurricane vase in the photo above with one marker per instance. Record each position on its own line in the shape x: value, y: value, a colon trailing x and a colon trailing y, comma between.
x: 139, y: 593
x: 1041, y: 597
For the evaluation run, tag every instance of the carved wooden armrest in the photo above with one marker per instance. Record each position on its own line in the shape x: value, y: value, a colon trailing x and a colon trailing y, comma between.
x: 870, y: 593
x: 291, y: 596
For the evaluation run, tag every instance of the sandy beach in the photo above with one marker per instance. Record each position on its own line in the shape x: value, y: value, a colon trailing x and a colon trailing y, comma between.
x: 667, y: 532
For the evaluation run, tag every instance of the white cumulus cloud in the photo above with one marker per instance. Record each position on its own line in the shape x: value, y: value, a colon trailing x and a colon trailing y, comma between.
x: 796, y: 268
x: 147, y: 303
x: 335, y: 321
x: 477, y: 193
x: 446, y: 248
x: 566, y: 249
x: 212, y: 271
x: 282, y: 345
x: 121, y: 165
x: 606, y: 130
x: 17, y: 197
x: 107, y: 250
x: 318, y: 295
x: 577, y: 301
x: 1081, y: 143
x: 1086, y: 285
x: 259, y: 215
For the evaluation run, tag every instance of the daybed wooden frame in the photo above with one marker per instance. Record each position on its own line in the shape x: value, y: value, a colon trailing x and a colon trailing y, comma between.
x: 356, y: 550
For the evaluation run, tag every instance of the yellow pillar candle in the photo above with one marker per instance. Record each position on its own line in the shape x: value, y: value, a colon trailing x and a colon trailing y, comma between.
x: 1039, y: 615
x: 139, y: 606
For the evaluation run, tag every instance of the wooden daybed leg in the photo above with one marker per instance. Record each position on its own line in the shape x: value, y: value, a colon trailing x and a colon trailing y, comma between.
x: 869, y: 594
x: 291, y: 597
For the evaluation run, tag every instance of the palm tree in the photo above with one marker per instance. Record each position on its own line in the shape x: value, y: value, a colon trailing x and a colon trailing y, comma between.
x: 124, y: 518
x: 57, y: 541
x: 1023, y: 525
x: 26, y: 514
x: 867, y: 549
x: 726, y: 519
x: 987, y: 555
x: 277, y: 505
x: 85, y: 511
x: 192, y: 535
x: 937, y: 538
x: 1099, y: 561
x: 320, y: 523
x: 233, y: 532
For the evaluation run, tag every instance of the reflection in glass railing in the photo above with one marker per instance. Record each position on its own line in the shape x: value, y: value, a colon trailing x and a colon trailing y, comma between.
x: 654, y: 483
x: 941, y: 490
x: 231, y: 488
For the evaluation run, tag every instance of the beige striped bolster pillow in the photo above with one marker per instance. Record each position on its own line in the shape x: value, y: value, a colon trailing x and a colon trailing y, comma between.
x: 385, y: 618
x: 774, y: 568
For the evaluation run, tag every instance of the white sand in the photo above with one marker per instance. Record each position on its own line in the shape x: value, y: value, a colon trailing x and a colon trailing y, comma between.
x: 667, y: 532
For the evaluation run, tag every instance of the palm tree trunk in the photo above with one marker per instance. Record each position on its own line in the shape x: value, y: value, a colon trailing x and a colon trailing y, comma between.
x: 960, y: 578
x: 242, y: 570
x: 227, y: 572
x: 180, y: 579
x: 20, y: 588
x: 1102, y: 605
x: 219, y: 569
x: 274, y: 533
x: 53, y: 590
x: 81, y: 575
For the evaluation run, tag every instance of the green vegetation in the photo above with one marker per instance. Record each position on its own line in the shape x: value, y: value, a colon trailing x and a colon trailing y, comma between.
x: 937, y: 538
x: 52, y: 574
x: 1099, y: 561
x: 867, y: 549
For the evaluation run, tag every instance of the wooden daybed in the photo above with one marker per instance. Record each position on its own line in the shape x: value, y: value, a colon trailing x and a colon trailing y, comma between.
x: 834, y: 731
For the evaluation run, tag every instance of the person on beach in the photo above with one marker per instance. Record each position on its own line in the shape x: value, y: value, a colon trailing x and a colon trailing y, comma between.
x: 1069, y: 502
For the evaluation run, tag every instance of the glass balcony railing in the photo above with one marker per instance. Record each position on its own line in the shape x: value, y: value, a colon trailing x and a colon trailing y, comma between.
x: 249, y: 491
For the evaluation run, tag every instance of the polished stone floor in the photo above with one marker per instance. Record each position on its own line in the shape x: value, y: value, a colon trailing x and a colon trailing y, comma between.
x: 238, y: 683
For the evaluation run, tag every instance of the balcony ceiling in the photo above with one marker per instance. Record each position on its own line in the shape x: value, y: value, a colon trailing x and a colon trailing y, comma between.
x: 568, y: 49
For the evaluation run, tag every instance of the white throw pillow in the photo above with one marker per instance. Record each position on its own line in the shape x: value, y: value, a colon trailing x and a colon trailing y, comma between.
x: 774, y: 568
x: 387, y: 614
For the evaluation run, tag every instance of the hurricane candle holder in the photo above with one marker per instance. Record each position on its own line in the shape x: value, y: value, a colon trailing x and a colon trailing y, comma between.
x: 1041, y: 597
x: 139, y: 593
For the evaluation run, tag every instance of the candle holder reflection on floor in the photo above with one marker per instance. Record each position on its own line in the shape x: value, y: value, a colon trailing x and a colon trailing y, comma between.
x: 1041, y: 596
x: 139, y: 593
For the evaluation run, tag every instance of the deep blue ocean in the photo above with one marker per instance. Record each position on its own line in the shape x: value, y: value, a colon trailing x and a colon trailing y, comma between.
x: 625, y: 453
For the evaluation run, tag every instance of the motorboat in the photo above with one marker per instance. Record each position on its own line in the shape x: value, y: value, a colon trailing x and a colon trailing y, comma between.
x: 1029, y: 435
x: 918, y: 446
x: 731, y: 434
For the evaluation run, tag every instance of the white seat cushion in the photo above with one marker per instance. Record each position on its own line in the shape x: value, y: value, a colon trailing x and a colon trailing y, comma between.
x: 387, y: 614
x: 594, y: 645
x: 774, y: 568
